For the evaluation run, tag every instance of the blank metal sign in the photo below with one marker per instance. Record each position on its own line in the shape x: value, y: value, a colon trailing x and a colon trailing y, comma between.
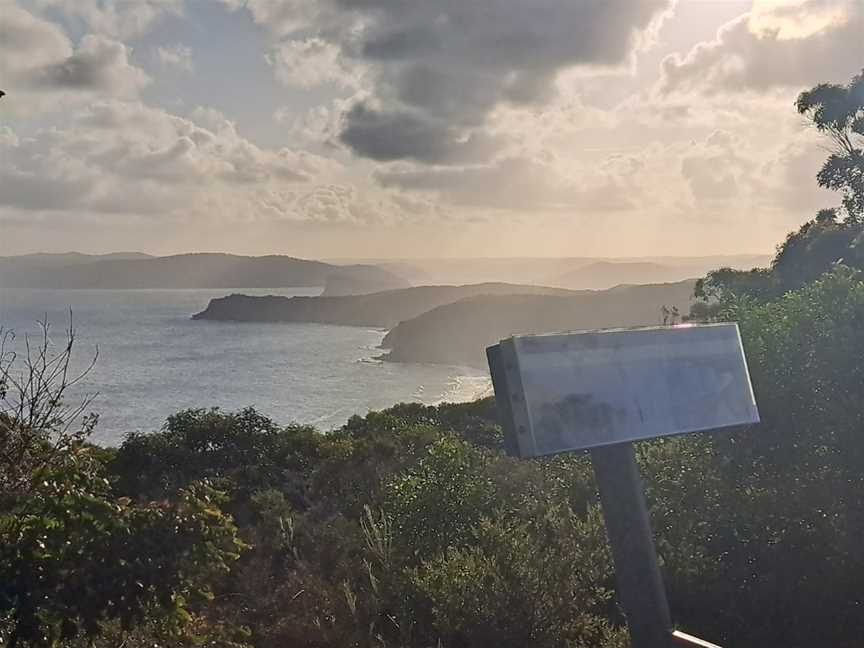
x: 582, y: 390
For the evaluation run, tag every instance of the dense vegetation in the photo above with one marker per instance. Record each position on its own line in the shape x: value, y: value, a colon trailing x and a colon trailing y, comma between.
x: 411, y: 528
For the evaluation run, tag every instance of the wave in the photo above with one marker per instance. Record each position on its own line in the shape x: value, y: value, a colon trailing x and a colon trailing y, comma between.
x: 372, y: 361
x: 466, y: 388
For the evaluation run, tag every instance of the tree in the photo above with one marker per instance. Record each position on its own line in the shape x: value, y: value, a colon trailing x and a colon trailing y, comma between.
x: 75, y: 559
x: 838, y: 112
x: 240, y: 452
x: 792, y: 493
x: 815, y: 248
x: 833, y: 236
x: 38, y: 430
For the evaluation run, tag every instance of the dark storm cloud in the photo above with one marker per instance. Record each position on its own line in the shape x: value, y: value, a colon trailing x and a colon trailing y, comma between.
x: 397, y: 135
x: 441, y: 67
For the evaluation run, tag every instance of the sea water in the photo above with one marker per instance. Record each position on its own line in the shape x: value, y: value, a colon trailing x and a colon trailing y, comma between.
x: 153, y: 360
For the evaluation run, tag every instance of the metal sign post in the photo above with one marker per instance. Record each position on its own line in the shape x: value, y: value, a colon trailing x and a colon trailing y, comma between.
x: 602, y: 390
x: 640, y: 586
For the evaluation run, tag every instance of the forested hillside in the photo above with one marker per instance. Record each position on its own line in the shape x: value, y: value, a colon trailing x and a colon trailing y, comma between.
x: 459, y: 333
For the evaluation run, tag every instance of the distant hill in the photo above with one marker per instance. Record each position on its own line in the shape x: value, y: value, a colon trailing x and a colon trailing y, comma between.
x: 459, y: 332
x: 62, y: 259
x: 362, y: 280
x: 213, y: 270
x: 543, y: 271
x: 382, y: 310
x: 419, y: 277
x: 456, y: 271
x: 601, y: 275
x: 205, y: 270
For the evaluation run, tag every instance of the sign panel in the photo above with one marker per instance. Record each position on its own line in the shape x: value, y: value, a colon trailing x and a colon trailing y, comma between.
x: 581, y: 390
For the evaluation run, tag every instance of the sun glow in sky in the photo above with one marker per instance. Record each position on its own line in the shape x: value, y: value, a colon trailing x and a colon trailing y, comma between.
x: 386, y: 128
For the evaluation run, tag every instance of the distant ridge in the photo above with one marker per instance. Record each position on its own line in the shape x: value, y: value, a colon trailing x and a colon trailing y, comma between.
x: 602, y: 275
x: 459, y: 332
x: 60, y: 259
x: 576, y: 273
x: 382, y: 309
x: 198, y: 270
x: 352, y: 281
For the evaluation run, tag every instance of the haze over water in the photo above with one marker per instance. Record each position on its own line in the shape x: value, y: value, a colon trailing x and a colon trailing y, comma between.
x: 154, y: 360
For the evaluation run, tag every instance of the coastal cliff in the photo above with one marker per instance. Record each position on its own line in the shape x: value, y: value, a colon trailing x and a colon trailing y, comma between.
x: 382, y: 310
x: 459, y: 332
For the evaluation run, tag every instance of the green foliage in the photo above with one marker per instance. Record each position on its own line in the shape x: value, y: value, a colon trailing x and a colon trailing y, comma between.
x: 812, y: 250
x: 838, y: 112
x: 241, y: 452
x: 435, y: 505
x: 386, y: 499
x: 776, y: 559
x: 536, y: 582
x: 719, y: 290
x: 78, y: 563
x: 73, y: 558
x: 815, y: 248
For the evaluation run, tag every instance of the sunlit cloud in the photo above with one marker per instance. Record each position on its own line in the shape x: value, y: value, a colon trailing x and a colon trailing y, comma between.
x: 404, y: 118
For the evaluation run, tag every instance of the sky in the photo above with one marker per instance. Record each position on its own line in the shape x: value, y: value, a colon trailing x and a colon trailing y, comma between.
x: 414, y: 128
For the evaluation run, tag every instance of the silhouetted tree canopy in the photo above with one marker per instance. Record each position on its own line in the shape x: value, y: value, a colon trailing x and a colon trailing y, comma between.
x: 838, y: 111
x: 835, y: 235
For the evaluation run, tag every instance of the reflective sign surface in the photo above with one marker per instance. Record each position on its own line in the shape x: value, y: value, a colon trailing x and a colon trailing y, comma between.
x: 581, y: 390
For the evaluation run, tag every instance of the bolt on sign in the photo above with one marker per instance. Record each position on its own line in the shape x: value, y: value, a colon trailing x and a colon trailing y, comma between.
x: 603, y: 390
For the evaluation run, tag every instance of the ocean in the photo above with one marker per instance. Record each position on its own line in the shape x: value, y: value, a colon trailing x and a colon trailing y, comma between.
x: 153, y: 360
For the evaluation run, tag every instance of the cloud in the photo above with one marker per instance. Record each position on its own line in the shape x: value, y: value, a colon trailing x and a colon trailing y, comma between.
x: 28, y: 42
x: 48, y: 184
x: 154, y: 144
x: 317, y: 126
x: 177, y: 56
x: 98, y: 64
x: 452, y: 66
x: 725, y: 176
x: 145, y: 159
x: 520, y: 184
x: 400, y: 135
x: 497, y: 111
x: 795, y: 43
x: 128, y: 161
x: 119, y: 19
x: 791, y: 177
x: 436, y: 70
x: 280, y: 17
x: 310, y: 62
x: 42, y: 71
x: 714, y: 171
